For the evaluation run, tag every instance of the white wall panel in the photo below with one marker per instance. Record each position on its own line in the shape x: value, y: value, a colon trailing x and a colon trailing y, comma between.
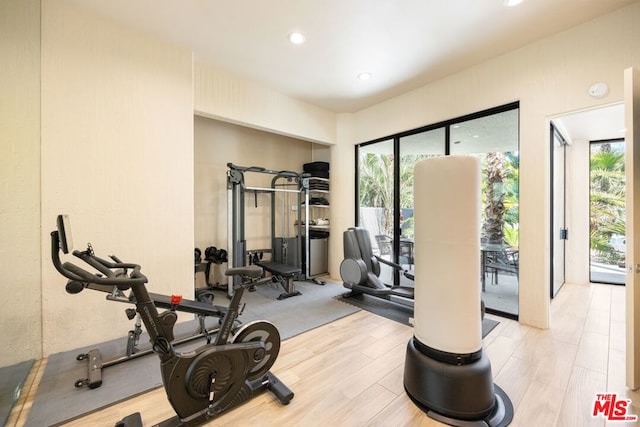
x: 577, y: 212
x: 20, y: 319
x: 227, y: 97
x: 117, y: 155
x: 342, y: 191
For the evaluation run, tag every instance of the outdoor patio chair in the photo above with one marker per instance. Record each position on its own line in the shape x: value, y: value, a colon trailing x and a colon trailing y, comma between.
x: 506, y: 261
x: 385, y: 244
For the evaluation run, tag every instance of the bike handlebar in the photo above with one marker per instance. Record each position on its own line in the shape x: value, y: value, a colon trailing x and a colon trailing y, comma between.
x: 115, y: 273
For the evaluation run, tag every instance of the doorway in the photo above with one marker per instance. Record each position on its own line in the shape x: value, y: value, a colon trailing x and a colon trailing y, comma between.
x: 570, y: 257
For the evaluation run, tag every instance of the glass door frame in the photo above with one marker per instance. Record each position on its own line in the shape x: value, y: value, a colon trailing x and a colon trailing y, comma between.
x: 396, y: 182
x: 555, y: 133
x: 397, y: 231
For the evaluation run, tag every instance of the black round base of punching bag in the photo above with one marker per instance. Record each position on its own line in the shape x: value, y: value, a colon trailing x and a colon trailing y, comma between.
x: 459, y: 395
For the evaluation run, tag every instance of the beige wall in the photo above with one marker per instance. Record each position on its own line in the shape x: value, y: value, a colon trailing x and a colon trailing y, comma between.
x: 20, y: 319
x: 117, y: 156
x: 548, y: 78
x: 224, y: 96
x: 577, y: 212
x: 218, y: 143
x: 342, y: 191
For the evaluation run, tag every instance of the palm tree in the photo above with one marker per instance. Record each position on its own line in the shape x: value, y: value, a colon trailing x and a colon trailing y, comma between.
x: 511, y: 188
x: 493, y: 225
x: 607, y: 213
x: 500, y: 192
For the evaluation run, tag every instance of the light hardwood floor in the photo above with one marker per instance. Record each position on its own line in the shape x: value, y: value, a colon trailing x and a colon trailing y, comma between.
x: 349, y: 372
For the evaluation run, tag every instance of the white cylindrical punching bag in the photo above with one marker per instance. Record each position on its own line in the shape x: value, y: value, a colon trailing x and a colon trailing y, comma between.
x: 447, y: 254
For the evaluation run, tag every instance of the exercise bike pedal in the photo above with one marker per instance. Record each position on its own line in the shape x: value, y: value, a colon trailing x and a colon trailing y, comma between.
x: 279, y: 389
x: 133, y: 420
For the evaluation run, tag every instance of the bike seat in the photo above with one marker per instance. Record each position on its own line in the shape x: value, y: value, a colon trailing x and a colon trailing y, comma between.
x: 252, y: 271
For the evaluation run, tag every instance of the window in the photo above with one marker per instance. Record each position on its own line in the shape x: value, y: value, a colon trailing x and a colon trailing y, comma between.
x: 607, y: 224
x: 385, y: 194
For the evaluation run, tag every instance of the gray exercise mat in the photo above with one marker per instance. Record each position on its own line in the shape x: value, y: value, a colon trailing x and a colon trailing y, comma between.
x: 398, y: 312
x: 58, y: 400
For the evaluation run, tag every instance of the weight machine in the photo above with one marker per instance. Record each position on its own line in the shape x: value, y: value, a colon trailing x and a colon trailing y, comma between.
x: 287, y: 263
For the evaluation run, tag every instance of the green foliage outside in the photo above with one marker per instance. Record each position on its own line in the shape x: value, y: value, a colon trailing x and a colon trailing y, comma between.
x: 376, y: 189
x: 607, y: 210
x: 505, y: 194
x: 376, y: 186
x: 500, y: 194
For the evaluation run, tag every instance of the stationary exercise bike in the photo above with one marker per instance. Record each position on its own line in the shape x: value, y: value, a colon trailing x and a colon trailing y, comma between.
x: 202, y: 307
x: 203, y: 383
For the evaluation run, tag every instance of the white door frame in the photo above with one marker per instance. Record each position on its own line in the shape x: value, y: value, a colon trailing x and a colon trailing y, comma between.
x: 632, y: 123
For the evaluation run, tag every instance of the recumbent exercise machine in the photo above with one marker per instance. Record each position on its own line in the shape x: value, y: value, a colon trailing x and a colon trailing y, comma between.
x: 360, y: 270
x: 203, y: 383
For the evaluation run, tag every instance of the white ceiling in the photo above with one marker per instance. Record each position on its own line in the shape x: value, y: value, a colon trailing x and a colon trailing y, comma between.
x: 594, y: 124
x: 405, y: 44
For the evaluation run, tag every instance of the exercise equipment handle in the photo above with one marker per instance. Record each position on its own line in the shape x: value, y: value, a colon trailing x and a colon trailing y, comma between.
x: 112, y: 272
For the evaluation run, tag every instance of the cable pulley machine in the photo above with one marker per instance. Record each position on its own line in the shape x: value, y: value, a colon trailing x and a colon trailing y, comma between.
x: 287, y: 261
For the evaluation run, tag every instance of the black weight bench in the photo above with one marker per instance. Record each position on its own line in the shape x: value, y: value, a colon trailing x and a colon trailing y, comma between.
x: 284, y: 274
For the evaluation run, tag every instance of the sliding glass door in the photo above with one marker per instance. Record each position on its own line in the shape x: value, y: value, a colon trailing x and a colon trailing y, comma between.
x: 385, y: 195
x: 559, y: 232
x: 494, y: 140
x: 413, y: 148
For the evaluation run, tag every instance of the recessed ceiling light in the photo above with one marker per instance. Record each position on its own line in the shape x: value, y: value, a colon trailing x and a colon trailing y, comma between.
x: 511, y: 3
x: 296, y: 37
x: 364, y: 76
